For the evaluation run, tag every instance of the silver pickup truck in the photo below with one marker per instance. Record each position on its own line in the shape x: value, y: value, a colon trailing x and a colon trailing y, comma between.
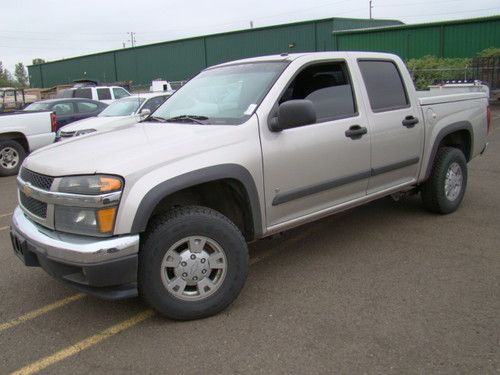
x: 164, y: 208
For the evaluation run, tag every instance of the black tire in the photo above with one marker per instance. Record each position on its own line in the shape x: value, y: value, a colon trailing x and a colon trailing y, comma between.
x: 19, y: 151
x: 433, y: 190
x: 174, y: 226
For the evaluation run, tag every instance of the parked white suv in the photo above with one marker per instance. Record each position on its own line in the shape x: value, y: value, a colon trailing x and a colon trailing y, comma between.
x: 105, y: 94
x: 118, y: 114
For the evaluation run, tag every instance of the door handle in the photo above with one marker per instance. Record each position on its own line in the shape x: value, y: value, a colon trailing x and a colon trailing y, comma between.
x: 355, y: 132
x: 410, y: 121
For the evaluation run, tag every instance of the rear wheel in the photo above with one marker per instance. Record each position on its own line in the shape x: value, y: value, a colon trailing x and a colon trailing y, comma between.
x: 444, y: 190
x: 12, y: 155
x: 193, y: 263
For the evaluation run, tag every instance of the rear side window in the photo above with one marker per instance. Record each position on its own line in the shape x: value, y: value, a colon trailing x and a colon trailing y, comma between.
x: 85, y: 107
x: 103, y: 94
x: 384, y: 85
x: 120, y: 93
x: 328, y: 87
x: 83, y: 93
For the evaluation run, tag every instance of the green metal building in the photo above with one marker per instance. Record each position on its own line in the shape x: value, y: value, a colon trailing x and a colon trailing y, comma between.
x: 181, y: 59
x: 463, y: 38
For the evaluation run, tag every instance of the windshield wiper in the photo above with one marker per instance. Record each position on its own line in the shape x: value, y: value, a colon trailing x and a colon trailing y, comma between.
x: 191, y: 118
x: 154, y: 118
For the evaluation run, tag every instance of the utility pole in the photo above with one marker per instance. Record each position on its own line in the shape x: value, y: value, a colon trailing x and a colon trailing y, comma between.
x: 132, y: 38
x: 371, y: 7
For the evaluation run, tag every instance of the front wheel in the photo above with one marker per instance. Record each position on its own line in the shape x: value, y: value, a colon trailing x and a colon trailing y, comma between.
x: 444, y: 190
x: 193, y: 263
x: 12, y: 155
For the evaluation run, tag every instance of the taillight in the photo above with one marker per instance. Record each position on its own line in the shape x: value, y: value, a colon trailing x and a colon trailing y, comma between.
x: 53, y: 122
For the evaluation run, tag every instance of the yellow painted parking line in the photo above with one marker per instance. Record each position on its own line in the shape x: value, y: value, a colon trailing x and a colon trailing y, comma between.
x: 84, y: 344
x: 43, y: 310
x: 4, y: 228
x: 111, y: 331
x: 4, y: 215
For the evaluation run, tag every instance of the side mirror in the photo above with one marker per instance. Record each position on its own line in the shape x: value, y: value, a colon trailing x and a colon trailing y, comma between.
x: 293, y: 113
x: 145, y: 112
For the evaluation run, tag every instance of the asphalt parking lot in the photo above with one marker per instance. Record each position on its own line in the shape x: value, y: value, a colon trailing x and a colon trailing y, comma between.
x: 384, y: 288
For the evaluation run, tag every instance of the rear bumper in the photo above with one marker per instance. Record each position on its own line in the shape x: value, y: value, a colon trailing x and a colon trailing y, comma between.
x: 106, y: 268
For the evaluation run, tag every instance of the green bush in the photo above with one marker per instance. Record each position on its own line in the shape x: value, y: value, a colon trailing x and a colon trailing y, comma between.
x: 430, y: 68
x: 490, y: 52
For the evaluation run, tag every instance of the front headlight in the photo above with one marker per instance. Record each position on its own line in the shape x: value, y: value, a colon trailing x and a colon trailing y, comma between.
x: 93, y: 204
x: 84, y: 131
x: 91, y: 185
x: 87, y: 221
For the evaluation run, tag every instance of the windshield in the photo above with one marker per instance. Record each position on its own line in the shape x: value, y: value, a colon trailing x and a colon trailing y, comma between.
x: 123, y: 107
x: 224, y: 95
x: 38, y: 107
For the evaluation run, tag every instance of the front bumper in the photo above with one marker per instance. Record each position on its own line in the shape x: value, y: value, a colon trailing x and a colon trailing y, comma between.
x: 104, y: 267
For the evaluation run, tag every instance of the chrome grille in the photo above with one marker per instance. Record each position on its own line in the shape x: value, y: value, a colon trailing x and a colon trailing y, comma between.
x: 33, y: 205
x: 38, y: 180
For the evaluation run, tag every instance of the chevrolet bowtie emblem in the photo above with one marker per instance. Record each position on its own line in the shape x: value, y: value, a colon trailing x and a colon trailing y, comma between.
x: 27, y: 190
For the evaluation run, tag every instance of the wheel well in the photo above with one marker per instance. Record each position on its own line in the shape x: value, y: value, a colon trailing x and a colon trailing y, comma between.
x: 15, y: 136
x: 460, y: 139
x: 227, y: 196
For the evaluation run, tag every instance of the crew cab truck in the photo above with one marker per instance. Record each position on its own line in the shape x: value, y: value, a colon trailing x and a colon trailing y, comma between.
x: 21, y: 133
x: 246, y: 149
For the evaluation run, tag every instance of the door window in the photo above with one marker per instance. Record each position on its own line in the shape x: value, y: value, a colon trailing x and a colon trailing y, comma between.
x: 120, y: 93
x: 154, y: 103
x: 86, y: 107
x: 83, y: 93
x: 103, y: 94
x: 384, y: 85
x: 328, y: 87
x: 63, y: 109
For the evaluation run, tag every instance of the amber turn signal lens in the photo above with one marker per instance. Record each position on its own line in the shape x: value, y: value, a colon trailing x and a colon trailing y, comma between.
x: 110, y: 184
x: 106, y: 219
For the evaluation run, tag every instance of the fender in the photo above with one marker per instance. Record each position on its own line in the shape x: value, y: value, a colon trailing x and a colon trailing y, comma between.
x: 447, y: 130
x: 217, y: 172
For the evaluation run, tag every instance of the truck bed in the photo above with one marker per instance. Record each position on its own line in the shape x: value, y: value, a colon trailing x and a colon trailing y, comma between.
x: 430, y: 97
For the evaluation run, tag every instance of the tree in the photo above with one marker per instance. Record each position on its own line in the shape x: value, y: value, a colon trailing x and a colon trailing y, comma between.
x: 38, y: 61
x: 21, y: 74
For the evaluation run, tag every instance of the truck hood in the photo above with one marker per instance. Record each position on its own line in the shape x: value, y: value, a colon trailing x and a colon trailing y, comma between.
x: 131, y: 149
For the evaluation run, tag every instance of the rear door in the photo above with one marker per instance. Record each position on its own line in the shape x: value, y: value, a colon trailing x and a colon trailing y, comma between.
x: 87, y: 109
x: 397, y: 131
x: 314, y: 167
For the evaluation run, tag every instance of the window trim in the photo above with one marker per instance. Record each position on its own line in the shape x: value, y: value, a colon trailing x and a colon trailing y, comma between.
x: 274, y: 110
x: 385, y: 109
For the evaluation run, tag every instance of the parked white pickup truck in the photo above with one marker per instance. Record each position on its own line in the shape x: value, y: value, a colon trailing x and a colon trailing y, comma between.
x: 244, y: 150
x: 21, y: 133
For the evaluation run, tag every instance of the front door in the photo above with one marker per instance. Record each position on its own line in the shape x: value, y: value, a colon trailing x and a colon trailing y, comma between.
x: 311, y: 168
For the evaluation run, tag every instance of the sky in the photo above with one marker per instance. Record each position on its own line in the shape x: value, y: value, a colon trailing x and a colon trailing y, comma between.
x: 56, y: 29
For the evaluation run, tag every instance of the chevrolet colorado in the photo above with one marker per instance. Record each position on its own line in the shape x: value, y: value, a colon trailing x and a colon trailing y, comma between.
x: 164, y: 208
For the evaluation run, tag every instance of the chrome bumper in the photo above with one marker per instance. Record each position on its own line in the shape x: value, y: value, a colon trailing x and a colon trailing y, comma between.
x: 69, y: 248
